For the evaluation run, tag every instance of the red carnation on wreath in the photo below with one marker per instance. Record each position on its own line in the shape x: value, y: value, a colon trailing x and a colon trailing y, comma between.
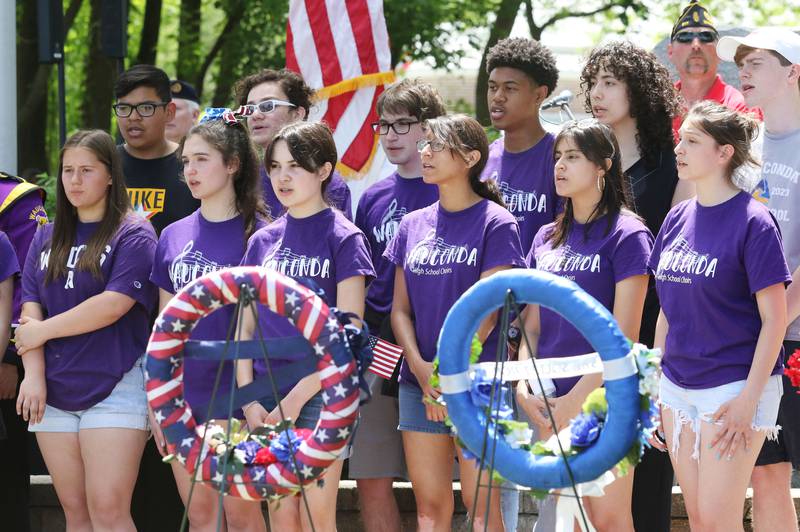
x: 793, y: 369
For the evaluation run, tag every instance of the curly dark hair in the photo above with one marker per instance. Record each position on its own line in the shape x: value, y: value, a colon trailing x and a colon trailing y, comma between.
x: 527, y: 55
x: 297, y: 92
x: 652, y: 96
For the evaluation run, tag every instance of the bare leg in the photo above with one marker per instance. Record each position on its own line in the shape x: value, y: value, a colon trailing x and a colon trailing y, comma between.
x: 379, y: 510
x: 773, y: 508
x: 484, y: 518
x: 429, y: 458
x: 111, y: 462
x: 62, y: 454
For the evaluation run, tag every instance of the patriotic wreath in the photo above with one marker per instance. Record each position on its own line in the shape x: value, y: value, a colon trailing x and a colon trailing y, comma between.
x: 269, y: 462
x: 467, y: 414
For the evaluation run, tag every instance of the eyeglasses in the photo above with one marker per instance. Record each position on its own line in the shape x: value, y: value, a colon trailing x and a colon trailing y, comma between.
x: 400, y: 127
x: 435, y: 144
x: 144, y: 109
x: 267, y: 106
x: 686, y: 37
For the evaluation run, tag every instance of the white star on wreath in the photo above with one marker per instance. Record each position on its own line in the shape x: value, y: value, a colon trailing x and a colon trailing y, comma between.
x: 307, y: 471
x: 215, y: 304
x: 325, y: 397
x: 332, y: 324
x: 322, y: 435
x: 178, y: 326
x: 187, y: 442
x: 339, y: 390
x: 159, y: 416
x: 197, y: 291
x: 319, y: 350
x: 344, y: 433
x: 292, y: 299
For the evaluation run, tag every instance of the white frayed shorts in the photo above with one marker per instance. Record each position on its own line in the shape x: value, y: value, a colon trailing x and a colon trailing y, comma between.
x: 693, y: 406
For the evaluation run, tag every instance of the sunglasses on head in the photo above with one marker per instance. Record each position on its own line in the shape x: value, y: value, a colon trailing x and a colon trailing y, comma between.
x: 688, y: 36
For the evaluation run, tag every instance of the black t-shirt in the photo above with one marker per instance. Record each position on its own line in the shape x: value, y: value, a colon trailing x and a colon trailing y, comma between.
x: 653, y: 188
x: 156, y: 188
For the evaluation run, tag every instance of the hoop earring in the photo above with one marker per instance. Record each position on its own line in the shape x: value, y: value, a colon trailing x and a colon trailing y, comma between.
x: 600, y: 187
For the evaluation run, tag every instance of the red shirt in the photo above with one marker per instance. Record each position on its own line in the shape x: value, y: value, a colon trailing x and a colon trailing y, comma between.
x: 723, y: 93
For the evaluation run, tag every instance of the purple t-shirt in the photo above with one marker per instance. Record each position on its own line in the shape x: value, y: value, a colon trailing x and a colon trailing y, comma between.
x: 82, y: 370
x: 442, y: 255
x: 337, y: 193
x: 527, y: 183
x: 379, y: 212
x: 9, y: 265
x: 709, y: 262
x: 188, y: 249
x: 325, y: 247
x: 596, y: 261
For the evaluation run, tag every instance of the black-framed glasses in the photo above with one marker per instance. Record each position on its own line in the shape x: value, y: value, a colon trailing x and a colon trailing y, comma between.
x: 144, y: 109
x: 267, y: 106
x: 435, y: 144
x: 401, y: 127
x: 687, y: 37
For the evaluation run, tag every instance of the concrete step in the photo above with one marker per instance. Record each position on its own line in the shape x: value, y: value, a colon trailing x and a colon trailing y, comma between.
x: 47, y: 516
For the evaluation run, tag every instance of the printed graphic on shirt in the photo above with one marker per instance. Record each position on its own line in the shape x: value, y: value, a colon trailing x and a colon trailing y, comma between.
x: 72, y: 261
x: 782, y: 178
x: 189, y: 265
x: 433, y: 256
x: 519, y: 201
x: 678, y: 263
x: 285, y: 261
x: 390, y: 221
x: 147, y: 202
x: 564, y: 260
x: 38, y: 215
x: 761, y: 192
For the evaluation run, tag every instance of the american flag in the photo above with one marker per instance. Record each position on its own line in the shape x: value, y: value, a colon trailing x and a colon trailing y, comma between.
x: 385, y: 357
x: 341, y: 48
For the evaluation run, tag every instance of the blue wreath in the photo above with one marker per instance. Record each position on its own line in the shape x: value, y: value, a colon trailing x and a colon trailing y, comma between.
x: 595, y: 322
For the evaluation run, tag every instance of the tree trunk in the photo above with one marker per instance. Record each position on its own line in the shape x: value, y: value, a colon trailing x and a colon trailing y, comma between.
x: 150, y: 30
x: 506, y: 14
x: 189, y: 41
x: 32, y: 83
x: 233, y: 13
x: 99, y: 81
x: 228, y: 58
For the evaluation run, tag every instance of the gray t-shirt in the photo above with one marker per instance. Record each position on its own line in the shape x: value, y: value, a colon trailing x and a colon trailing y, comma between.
x: 781, y: 170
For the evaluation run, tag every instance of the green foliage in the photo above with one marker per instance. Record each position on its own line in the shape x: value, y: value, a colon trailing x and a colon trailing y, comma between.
x: 421, y: 29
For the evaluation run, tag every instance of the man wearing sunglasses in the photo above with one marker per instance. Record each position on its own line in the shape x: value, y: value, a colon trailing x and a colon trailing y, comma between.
x: 152, y: 171
x: 278, y: 98
x: 692, y: 49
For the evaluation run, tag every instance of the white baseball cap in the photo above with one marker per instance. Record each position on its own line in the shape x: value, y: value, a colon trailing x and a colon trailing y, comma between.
x: 781, y: 40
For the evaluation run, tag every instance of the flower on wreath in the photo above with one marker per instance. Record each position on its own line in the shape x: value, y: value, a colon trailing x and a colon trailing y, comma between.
x: 480, y: 393
x: 246, y: 451
x: 792, y: 370
x: 517, y: 434
x: 584, y: 430
x: 264, y: 457
x: 648, y: 362
x: 287, y: 442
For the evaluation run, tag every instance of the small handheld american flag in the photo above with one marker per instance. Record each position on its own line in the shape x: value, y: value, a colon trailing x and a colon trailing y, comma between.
x: 385, y: 356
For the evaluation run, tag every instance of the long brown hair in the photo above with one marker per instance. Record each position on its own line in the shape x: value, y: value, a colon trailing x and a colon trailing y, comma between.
x: 596, y: 141
x: 462, y: 134
x: 233, y: 142
x: 118, y: 206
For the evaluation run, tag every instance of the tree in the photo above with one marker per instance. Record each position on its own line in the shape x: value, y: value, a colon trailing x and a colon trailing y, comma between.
x: 507, y: 14
x: 151, y: 27
x: 100, y: 72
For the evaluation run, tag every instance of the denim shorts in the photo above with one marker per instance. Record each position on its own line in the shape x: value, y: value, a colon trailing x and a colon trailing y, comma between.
x: 693, y: 406
x: 124, y: 408
x: 309, y: 414
x: 412, y: 413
